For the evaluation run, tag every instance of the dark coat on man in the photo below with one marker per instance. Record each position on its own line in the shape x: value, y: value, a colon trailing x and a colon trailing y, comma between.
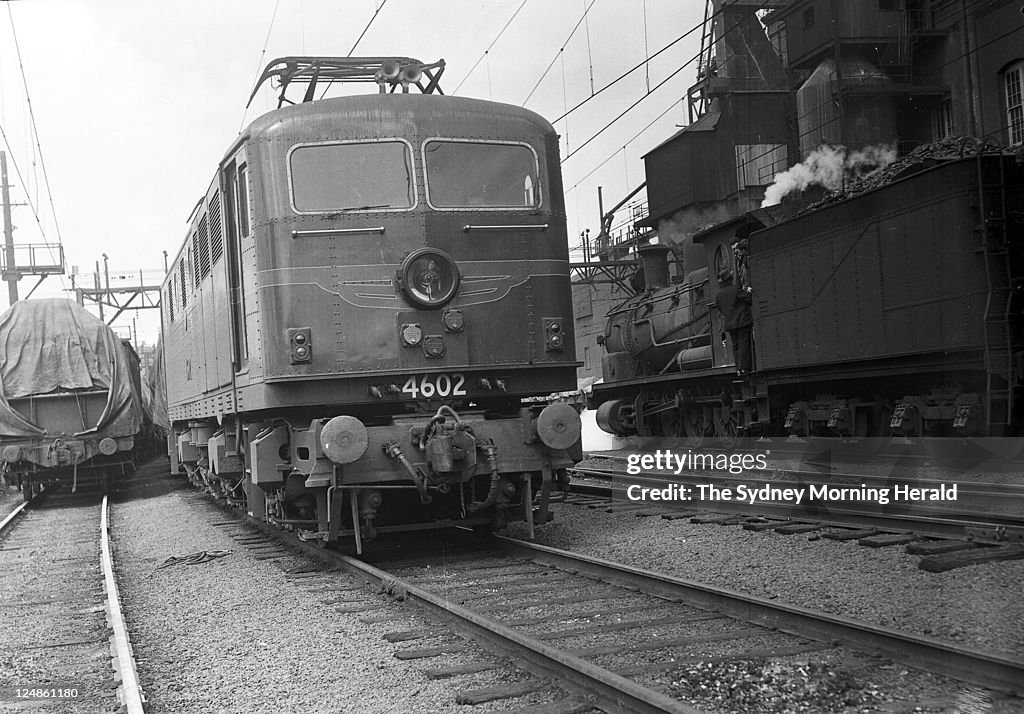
x: 734, y: 304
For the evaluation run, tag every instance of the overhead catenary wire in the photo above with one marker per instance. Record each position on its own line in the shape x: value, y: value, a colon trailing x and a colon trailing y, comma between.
x: 359, y: 39
x: 645, y: 95
x: 645, y: 63
x: 263, y: 55
x: 366, y: 29
x: 590, y: 56
x: 489, y: 47
x: 647, y: 50
x: 565, y: 100
x: 631, y: 70
x: 613, y: 155
x: 34, y: 129
x: 623, y: 113
x: 21, y: 179
x: 604, y: 162
x: 560, y: 53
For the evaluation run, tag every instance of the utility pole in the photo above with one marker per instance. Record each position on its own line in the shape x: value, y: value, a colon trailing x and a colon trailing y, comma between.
x: 9, y: 275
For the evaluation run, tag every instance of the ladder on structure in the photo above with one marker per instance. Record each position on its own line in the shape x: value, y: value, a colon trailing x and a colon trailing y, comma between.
x: 994, y: 230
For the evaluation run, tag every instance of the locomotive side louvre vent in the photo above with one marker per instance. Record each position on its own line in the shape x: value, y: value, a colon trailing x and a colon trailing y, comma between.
x: 201, y: 250
x: 216, y: 229
x: 170, y: 300
x: 184, y: 284
x: 194, y: 265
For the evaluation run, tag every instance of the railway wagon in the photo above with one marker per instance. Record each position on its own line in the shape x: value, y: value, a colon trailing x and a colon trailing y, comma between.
x: 369, y: 292
x: 70, y: 408
x: 897, y: 311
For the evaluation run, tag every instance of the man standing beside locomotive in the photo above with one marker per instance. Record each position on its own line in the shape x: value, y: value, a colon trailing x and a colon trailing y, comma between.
x: 734, y: 304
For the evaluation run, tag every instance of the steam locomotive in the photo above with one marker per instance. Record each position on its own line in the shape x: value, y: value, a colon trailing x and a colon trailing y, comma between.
x: 897, y: 311
x: 70, y: 406
x: 371, y: 293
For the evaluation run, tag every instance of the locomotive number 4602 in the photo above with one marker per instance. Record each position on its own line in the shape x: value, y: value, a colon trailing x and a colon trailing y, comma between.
x: 435, y: 385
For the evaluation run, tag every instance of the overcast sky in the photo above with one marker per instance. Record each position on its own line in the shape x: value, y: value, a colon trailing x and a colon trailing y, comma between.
x: 135, y: 101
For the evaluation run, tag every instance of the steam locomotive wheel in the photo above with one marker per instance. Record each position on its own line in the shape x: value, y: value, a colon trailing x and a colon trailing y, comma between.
x: 726, y: 428
x: 698, y: 421
x: 670, y: 422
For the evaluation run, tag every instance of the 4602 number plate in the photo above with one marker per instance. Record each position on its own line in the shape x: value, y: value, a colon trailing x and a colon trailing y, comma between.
x: 427, y: 386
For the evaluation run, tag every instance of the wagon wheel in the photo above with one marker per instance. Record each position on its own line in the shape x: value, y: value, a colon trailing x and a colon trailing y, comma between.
x: 697, y: 420
x: 726, y: 428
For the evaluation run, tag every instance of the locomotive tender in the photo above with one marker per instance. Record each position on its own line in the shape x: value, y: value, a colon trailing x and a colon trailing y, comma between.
x: 369, y: 292
x: 898, y: 311
x: 71, y: 410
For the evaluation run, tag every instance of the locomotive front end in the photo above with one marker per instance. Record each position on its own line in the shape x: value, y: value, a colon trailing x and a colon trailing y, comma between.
x: 407, y: 304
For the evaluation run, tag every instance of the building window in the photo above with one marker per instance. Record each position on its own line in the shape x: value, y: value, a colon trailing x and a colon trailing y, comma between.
x: 777, y: 36
x: 942, y: 120
x: 808, y: 17
x: 1015, y: 103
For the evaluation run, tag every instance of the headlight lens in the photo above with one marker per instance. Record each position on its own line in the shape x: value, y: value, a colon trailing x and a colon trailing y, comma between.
x: 429, y: 277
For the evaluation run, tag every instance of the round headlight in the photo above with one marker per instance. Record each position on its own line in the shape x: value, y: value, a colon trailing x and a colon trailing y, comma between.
x: 429, y: 277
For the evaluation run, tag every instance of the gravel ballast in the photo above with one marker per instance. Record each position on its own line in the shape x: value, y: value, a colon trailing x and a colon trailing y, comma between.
x: 237, y: 634
x: 978, y: 606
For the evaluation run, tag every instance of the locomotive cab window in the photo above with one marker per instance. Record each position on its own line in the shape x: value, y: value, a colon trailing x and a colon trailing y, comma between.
x: 720, y: 261
x: 352, y: 176
x: 479, y: 174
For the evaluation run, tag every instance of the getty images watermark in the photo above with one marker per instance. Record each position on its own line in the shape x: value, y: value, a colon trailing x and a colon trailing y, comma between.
x: 698, y: 484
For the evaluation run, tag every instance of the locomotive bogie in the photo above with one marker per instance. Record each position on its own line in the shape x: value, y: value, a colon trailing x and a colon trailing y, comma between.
x: 410, y: 464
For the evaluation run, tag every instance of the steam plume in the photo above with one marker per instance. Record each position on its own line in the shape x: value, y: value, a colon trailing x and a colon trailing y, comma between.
x: 828, y: 166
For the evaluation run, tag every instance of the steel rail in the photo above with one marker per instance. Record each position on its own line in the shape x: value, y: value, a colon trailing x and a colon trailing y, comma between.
x: 13, y: 517
x: 129, y: 691
x: 617, y: 693
x: 19, y: 511
x: 953, y: 660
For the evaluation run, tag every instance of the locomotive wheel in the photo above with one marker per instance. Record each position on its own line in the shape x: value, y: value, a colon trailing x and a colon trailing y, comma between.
x: 697, y: 420
x: 669, y: 422
x: 726, y: 428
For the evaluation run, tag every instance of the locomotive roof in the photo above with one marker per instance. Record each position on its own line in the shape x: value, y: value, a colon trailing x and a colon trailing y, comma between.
x: 407, y: 114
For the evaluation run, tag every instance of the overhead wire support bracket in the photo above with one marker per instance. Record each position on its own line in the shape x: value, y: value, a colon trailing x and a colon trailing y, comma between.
x: 388, y: 73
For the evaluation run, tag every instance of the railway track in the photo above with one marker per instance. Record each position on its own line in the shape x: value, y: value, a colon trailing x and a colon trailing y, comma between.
x: 65, y: 640
x: 986, y: 519
x: 618, y: 639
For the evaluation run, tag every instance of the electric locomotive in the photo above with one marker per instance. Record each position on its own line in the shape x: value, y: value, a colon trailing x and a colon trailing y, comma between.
x: 369, y: 295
